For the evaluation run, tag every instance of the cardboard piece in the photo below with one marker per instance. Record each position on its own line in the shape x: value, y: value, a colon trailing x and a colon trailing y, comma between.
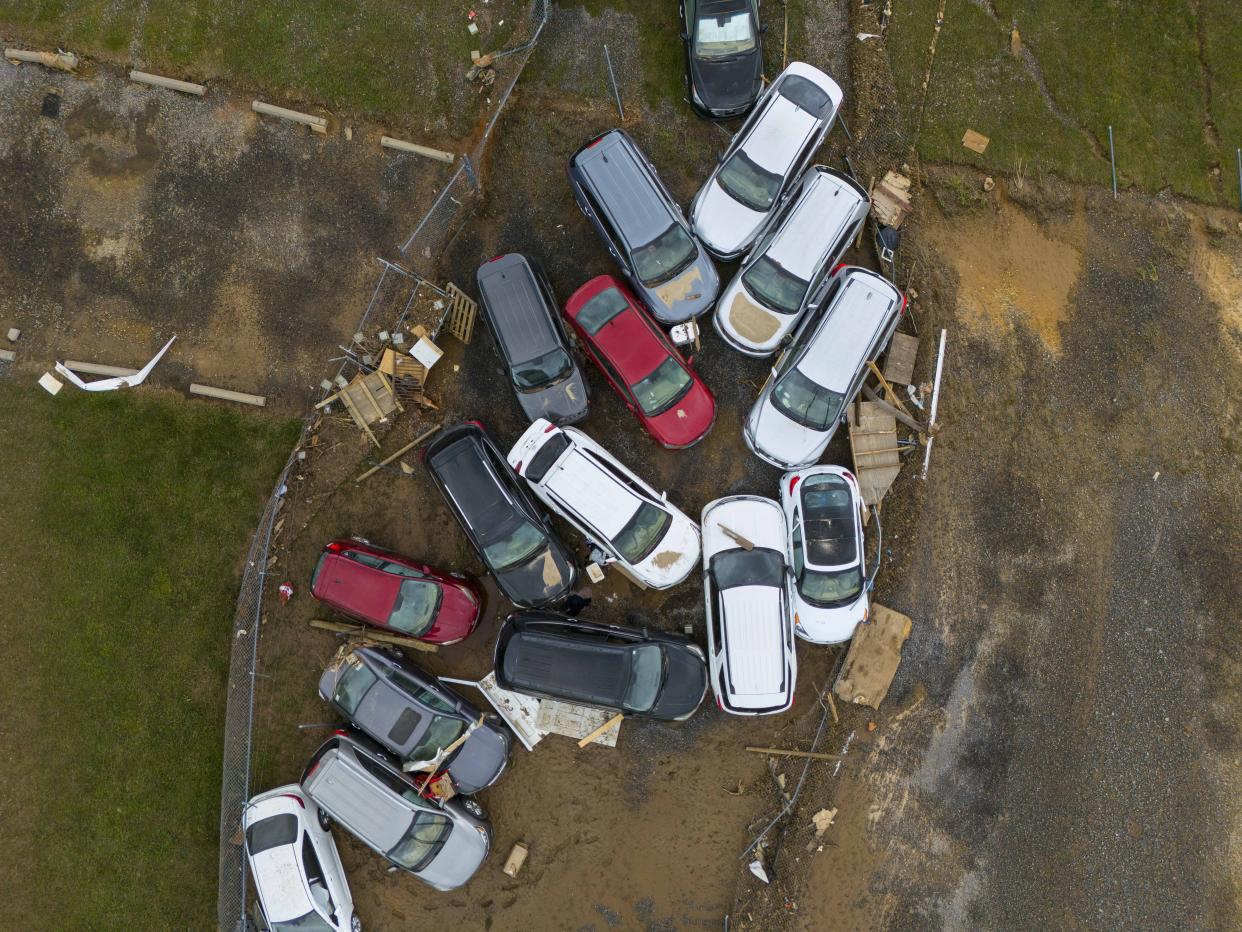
x: 873, y: 658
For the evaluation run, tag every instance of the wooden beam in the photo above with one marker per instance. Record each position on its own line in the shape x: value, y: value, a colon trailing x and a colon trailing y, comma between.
x: 895, y: 412
x: 779, y: 752
x: 225, y: 395
x: 372, y: 634
x: 158, y: 80
x: 400, y: 453
x: 602, y: 729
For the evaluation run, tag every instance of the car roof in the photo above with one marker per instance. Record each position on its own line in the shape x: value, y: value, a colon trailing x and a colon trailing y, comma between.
x: 590, y: 490
x: 551, y: 662
x: 282, y: 888
x: 754, y: 640
x: 858, y: 312
x: 721, y: 7
x: 516, y: 305
x: 627, y: 341
x: 778, y: 135
x: 355, y: 799
x: 830, y: 531
x: 475, y: 486
x: 364, y: 590
x: 619, y: 176
x: 818, y: 220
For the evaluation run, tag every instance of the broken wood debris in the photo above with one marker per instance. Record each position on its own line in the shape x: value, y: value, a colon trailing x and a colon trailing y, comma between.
x: 400, y: 453
x: 372, y: 634
x: 369, y: 398
x: 782, y: 752
x: 599, y: 732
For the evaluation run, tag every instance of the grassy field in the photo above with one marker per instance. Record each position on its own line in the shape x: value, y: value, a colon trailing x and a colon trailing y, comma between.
x: 126, y: 518
x: 397, y: 62
x: 1136, y: 66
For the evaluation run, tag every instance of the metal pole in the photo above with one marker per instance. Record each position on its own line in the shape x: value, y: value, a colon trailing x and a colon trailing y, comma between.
x: 612, y: 77
x: 1239, y: 151
x: 1112, y: 158
x: 931, y: 423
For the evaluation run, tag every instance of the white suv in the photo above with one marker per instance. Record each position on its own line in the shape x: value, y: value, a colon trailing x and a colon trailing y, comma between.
x: 297, y: 872
x: 750, y: 638
x: 619, y: 513
x: 828, y: 589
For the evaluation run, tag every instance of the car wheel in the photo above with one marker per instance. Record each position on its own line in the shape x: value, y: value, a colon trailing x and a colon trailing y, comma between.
x: 472, y: 806
x: 325, y: 821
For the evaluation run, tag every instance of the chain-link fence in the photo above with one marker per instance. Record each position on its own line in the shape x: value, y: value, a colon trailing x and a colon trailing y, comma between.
x: 447, y: 213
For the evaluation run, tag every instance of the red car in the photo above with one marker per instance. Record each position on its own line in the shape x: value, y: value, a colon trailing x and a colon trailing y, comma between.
x: 390, y: 591
x: 643, y: 366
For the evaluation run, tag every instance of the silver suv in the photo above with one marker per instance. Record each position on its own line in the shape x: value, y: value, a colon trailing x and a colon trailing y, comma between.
x: 441, y: 842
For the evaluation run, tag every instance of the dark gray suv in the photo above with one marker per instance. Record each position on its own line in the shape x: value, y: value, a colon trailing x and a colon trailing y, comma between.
x: 522, y: 313
x: 416, y: 717
x: 643, y: 227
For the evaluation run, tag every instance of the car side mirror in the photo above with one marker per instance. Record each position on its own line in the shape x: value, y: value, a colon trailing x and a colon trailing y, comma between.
x: 685, y: 37
x: 664, y: 496
x: 763, y: 30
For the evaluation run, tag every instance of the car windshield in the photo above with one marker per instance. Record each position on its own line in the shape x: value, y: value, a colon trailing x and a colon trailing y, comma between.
x: 830, y: 589
x: 644, y: 531
x: 807, y: 402
x: 665, y: 385
x: 602, y: 308
x: 776, y: 288
x: 352, y: 685
x: 806, y: 94
x: 748, y: 183
x: 416, y: 606
x: 548, y: 454
x: 720, y: 37
x: 516, y: 547
x: 646, y: 675
x: 272, y: 832
x: 739, y: 567
x: 425, y: 837
x: 311, y: 922
x: 442, y: 732
x: 664, y: 256
x: 542, y: 370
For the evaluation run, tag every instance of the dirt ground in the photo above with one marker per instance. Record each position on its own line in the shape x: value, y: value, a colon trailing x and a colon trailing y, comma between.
x: 138, y: 213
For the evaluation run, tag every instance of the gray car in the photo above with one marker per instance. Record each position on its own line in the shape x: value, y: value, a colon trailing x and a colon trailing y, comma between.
x: 356, y: 784
x: 617, y: 187
x: 522, y: 314
x: 415, y: 717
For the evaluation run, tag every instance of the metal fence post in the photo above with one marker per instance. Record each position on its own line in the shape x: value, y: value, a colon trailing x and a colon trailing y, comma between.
x: 1112, y: 159
x: 613, y: 78
x: 1239, y: 151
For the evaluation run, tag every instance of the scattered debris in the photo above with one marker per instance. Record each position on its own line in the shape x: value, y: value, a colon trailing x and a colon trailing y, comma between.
x: 756, y: 868
x: 599, y: 732
x: 361, y: 631
x: 107, y: 385
x: 576, y: 721
x: 1015, y: 43
x: 874, y: 448
x: 14, y: 334
x: 900, y: 358
x: 369, y: 398
x: 462, y: 313
x: 740, y: 790
x: 405, y: 449
x: 49, y: 383
x: 873, y: 657
x: 890, y: 199
x: 595, y: 572
x: 975, y: 142
x: 7, y: 356
x: 388, y: 142
x: 988, y: 183
x: 736, y: 538
x: 935, y: 400
x: 871, y: 726
x: 516, y: 858
x: 823, y: 821
x: 286, y: 592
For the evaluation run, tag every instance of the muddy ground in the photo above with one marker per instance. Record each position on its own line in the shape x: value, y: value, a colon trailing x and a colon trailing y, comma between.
x: 136, y: 214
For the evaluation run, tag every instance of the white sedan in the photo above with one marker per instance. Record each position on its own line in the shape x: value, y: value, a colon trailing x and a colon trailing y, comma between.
x: 297, y: 872
x: 756, y: 173
x: 750, y: 638
x: 828, y: 588
x: 636, y: 526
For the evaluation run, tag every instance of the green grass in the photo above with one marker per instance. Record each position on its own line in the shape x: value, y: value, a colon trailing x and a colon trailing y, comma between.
x: 127, y: 520
x: 1134, y: 66
x: 390, y: 61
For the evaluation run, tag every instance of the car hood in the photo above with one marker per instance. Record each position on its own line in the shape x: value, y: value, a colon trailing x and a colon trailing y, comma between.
x: 745, y: 321
x: 458, y: 614
x: 688, y: 294
x: 724, y: 225
x: 685, y: 684
x: 455, y: 863
x: 674, y: 556
x: 562, y: 403
x: 727, y: 86
x: 780, y: 440
x: 480, y: 760
x: 545, y: 579
x: 688, y: 421
x: 826, y: 625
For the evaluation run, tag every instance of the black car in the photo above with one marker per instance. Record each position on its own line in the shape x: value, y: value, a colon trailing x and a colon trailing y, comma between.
x: 416, y: 717
x: 522, y: 314
x: 532, y: 567
x: 643, y: 672
x: 724, y: 59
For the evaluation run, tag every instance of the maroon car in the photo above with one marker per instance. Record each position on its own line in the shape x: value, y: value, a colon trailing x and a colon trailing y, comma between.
x: 642, y: 365
x: 390, y: 591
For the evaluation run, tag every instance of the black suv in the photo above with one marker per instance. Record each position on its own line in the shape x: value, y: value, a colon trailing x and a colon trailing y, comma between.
x: 644, y: 672
x: 617, y: 187
x: 531, y: 565
x: 521, y: 312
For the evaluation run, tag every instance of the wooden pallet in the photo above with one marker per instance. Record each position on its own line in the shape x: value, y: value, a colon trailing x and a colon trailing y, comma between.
x: 463, y: 311
x: 899, y: 361
x: 369, y: 399
x: 873, y: 445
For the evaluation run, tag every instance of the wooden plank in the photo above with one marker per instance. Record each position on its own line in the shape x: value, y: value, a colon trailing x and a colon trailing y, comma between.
x: 888, y: 389
x: 357, y: 416
x: 598, y: 732
x: 780, y: 752
x: 405, y: 449
x: 366, y: 391
x: 975, y: 142
x: 899, y: 361
x: 873, y: 445
x: 224, y: 394
x: 388, y: 385
x: 372, y: 634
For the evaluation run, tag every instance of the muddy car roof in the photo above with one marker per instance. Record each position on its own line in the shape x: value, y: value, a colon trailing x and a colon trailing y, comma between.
x: 591, y: 671
x: 616, y: 171
x: 512, y: 298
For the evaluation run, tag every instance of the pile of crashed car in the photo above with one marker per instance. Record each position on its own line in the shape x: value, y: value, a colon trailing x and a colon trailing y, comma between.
x: 773, y: 568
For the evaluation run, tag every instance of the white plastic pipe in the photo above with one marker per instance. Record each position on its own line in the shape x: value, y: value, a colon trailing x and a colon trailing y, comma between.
x: 158, y: 80
x: 401, y: 145
x: 931, y: 422
x: 318, y: 124
x: 225, y: 395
